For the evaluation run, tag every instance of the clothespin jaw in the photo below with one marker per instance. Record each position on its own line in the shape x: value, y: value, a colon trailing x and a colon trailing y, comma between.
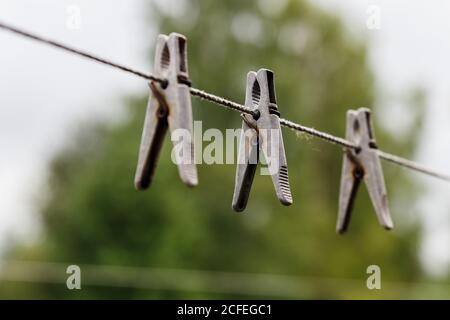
x: 170, y: 107
x: 261, y: 133
x: 360, y: 164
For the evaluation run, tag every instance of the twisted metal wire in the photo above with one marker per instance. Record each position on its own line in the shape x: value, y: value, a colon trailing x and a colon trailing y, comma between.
x: 80, y: 53
x: 412, y: 165
x: 231, y: 104
x: 319, y: 134
x: 221, y: 101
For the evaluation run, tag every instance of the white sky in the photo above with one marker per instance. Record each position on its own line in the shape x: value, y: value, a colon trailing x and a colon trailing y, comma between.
x: 38, y: 110
x: 45, y: 93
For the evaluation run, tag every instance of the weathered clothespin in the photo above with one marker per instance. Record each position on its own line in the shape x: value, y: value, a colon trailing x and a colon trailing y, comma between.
x: 169, y: 106
x: 261, y: 132
x: 362, y: 163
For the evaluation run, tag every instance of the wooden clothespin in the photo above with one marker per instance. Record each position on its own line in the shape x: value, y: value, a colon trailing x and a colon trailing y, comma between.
x: 261, y: 133
x: 362, y: 163
x: 169, y: 107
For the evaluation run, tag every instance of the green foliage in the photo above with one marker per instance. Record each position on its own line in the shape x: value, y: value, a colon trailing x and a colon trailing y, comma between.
x: 93, y: 215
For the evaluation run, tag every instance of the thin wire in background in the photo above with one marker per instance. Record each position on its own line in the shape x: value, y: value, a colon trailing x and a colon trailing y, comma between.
x: 221, y: 101
x: 218, y: 282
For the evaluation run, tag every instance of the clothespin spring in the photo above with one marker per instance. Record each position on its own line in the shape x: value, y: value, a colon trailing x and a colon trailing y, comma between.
x: 163, y: 110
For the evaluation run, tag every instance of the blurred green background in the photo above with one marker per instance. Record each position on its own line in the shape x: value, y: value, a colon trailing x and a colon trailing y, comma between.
x: 173, y: 242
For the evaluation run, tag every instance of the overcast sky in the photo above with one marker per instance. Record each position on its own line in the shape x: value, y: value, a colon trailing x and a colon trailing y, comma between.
x: 45, y: 93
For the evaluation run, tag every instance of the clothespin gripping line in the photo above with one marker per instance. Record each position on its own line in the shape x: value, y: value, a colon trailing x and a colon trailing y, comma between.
x: 249, y: 123
x: 163, y: 110
x: 231, y: 105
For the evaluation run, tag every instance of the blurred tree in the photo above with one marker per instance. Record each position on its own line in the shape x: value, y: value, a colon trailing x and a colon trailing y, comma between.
x: 92, y: 214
